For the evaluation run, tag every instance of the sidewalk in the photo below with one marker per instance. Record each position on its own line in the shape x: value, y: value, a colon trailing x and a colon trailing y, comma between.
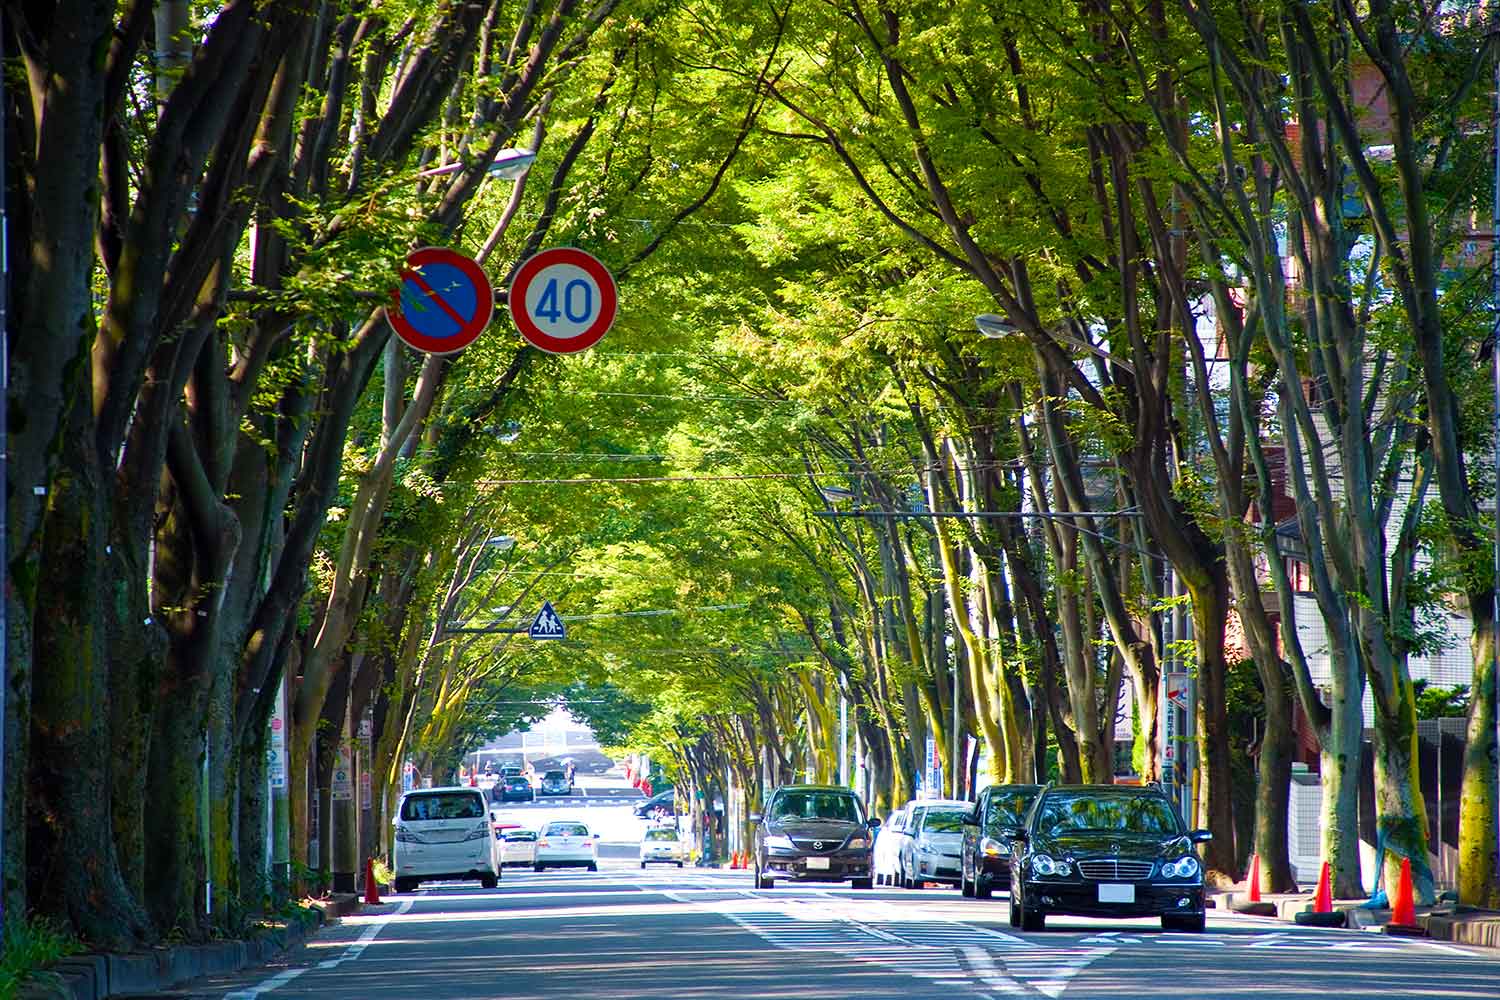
x: 96, y: 976
x: 1450, y: 922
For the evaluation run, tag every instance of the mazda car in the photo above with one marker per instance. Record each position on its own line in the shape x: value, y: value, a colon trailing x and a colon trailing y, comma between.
x: 1105, y: 851
x: 515, y: 787
x: 985, y: 862
x: 813, y: 833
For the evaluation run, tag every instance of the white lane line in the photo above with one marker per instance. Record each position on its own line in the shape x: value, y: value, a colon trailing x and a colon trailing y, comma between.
x: 985, y: 969
x: 350, y: 953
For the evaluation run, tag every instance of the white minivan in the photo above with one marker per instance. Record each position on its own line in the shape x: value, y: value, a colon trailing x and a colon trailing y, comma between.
x: 442, y: 834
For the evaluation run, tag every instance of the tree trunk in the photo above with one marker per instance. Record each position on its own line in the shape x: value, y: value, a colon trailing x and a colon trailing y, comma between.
x: 1478, y: 884
x: 1400, y: 810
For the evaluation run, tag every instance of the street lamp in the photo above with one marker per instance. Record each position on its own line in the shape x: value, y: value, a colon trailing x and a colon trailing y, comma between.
x: 508, y: 165
x: 500, y: 543
x: 994, y: 326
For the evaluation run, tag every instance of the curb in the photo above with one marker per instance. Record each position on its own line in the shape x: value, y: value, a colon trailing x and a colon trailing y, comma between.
x: 96, y: 976
x: 1464, y: 925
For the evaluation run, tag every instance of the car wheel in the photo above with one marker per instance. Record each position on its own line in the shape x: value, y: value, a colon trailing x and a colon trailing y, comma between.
x: 763, y: 881
x: 1191, y: 925
x: 1032, y: 919
x: 489, y: 881
x: 539, y: 867
x: 643, y: 865
x: 593, y: 866
x: 982, y: 887
x: 402, y: 885
x: 861, y: 883
x: 679, y: 864
x: 1015, y: 910
x: 965, y: 887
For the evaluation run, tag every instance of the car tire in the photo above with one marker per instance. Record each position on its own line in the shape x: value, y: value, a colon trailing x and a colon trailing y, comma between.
x: 403, y: 885
x: 539, y: 867
x: 593, y: 866
x: 763, y: 881
x: 965, y: 887
x: 1032, y: 919
x: 679, y: 864
x: 862, y: 883
x: 489, y: 881
x: 982, y: 888
x: 1015, y: 911
x: 643, y: 866
x: 1191, y: 925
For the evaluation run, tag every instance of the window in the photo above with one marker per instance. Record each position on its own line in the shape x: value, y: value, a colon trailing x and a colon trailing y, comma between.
x: 521, y: 836
x: 554, y: 776
x: 1107, y: 813
x: 1007, y: 808
x: 443, y: 805
x: 661, y: 835
x: 944, y: 821
x: 567, y: 830
x: 835, y: 806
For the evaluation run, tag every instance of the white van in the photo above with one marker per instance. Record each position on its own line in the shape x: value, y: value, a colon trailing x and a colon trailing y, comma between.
x: 443, y: 834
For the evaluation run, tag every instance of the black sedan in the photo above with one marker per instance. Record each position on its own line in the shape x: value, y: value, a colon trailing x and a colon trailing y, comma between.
x: 1106, y: 851
x: 985, y: 862
x: 514, y: 787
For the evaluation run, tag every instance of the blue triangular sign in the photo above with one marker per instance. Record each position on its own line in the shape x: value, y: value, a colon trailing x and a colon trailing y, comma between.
x: 547, y: 624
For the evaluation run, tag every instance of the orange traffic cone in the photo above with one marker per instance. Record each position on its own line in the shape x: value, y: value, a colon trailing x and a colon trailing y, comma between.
x: 372, y: 891
x: 1404, y: 912
x: 1323, y: 898
x: 1252, y: 888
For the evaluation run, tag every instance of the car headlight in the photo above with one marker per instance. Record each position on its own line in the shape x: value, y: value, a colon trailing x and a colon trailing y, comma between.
x: 1187, y: 867
x: 776, y: 840
x: 1044, y: 865
x: 993, y: 848
x: 857, y: 843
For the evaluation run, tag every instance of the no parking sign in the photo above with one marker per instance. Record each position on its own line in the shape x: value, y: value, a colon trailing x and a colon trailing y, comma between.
x: 444, y: 303
x: 563, y: 300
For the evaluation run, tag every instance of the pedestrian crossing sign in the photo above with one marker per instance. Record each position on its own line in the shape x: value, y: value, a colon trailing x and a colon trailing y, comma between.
x: 547, y: 624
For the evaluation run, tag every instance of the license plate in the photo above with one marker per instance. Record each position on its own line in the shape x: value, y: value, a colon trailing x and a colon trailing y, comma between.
x: 1114, y: 892
x: 817, y: 864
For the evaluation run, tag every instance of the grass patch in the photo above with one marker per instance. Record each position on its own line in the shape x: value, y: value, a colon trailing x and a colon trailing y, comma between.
x: 29, y: 946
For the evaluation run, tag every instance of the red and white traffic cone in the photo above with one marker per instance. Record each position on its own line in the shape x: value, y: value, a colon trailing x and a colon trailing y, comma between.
x: 372, y: 891
x: 1404, y: 910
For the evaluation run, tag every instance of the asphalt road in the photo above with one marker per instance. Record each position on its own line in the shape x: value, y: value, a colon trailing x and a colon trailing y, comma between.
x: 623, y: 933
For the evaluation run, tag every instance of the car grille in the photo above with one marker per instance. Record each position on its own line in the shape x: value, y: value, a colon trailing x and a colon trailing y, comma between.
x: 1109, y: 869
x: 816, y: 846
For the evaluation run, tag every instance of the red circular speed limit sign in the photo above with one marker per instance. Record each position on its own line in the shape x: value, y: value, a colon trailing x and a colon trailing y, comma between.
x: 563, y: 300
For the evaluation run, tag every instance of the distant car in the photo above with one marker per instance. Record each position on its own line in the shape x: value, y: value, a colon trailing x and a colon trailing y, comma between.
x: 518, y: 848
x: 934, y: 845
x: 816, y: 833
x: 662, y: 845
x: 1106, y: 851
x: 443, y: 834
x: 515, y: 788
x: 566, y: 844
x: 556, y: 783
x: 985, y: 864
x: 665, y: 799
x: 888, y: 839
x: 510, y: 771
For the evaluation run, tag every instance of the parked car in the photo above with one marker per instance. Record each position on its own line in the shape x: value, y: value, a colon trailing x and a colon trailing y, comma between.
x: 986, y: 849
x: 514, y: 787
x: 441, y: 834
x: 886, y: 863
x: 518, y: 848
x: 661, y: 844
x: 665, y: 799
x: 556, y: 783
x: 816, y: 833
x: 566, y: 844
x: 933, y: 843
x: 1106, y: 851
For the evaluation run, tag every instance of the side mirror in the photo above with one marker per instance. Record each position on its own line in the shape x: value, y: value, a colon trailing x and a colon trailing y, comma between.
x: 971, y: 819
x: 873, y: 822
x: 1015, y: 834
x: 755, y: 817
x: 1200, y: 836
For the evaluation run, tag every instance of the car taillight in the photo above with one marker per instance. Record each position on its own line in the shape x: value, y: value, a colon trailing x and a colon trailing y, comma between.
x: 405, y: 836
x: 479, y: 832
x: 542, y: 843
x: 588, y: 843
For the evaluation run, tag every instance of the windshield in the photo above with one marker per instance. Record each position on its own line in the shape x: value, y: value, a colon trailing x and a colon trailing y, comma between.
x: 943, y: 821
x: 817, y: 805
x: 443, y: 805
x: 1007, y: 808
x: 1096, y: 812
x: 521, y: 835
x: 567, y: 830
x: 660, y: 835
x: 554, y: 776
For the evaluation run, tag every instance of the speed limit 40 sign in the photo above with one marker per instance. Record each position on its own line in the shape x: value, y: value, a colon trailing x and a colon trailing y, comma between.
x: 563, y: 300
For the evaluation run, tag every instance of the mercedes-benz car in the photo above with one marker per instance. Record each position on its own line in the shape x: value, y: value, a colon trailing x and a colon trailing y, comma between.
x: 985, y: 865
x: 1105, y: 851
x: 815, y: 833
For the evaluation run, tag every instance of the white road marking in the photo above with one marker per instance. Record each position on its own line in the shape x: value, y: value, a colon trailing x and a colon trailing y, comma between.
x: 350, y: 954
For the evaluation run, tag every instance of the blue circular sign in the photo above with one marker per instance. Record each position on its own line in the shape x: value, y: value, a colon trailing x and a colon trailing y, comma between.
x: 444, y: 302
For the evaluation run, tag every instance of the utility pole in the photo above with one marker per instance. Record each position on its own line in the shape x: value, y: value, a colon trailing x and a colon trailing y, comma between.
x: 4, y: 468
